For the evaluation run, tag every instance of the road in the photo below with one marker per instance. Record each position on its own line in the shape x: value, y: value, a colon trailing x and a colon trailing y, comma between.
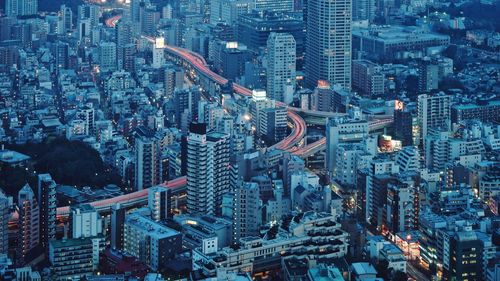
x: 111, y: 22
x: 414, y: 273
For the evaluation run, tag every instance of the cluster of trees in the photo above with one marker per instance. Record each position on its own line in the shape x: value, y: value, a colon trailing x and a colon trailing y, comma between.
x: 68, y: 162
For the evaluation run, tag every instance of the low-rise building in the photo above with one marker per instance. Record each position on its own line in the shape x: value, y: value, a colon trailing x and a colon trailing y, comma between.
x: 73, y: 259
x: 394, y: 256
x: 149, y: 241
x: 312, y: 235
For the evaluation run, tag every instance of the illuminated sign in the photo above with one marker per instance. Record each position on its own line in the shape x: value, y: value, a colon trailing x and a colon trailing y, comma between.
x: 399, y: 105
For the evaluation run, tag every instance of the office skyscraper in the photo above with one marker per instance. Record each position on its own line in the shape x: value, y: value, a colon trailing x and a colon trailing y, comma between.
x: 328, y: 48
x: 48, y: 206
x: 281, y: 67
x: 207, y: 169
x: 148, y: 170
x: 29, y: 223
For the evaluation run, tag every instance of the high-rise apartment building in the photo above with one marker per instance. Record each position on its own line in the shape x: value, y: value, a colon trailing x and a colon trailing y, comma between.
x: 66, y: 21
x: 342, y: 131
x: 247, y: 213
x: 73, y: 259
x: 228, y: 11
x: 382, y: 172
x: 281, y: 74
x: 402, y: 208
x: 62, y: 55
x: 173, y: 78
x: 158, y: 53
x: 117, y: 224
x: 466, y: 256
x: 258, y: 103
x: 428, y: 76
x: 107, y: 56
x: 91, y: 12
x: 124, y: 32
x: 367, y: 78
x: 186, y: 107
x: 328, y: 48
x: 273, y: 124
x: 29, y: 221
x: 4, y: 223
x: 159, y: 202
x: 434, y: 113
x: 363, y: 10
x: 207, y: 169
x: 48, y: 206
x: 14, y: 8
x: 148, y: 168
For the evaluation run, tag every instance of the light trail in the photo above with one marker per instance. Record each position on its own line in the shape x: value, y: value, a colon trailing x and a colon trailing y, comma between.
x: 199, y: 63
x: 126, y: 199
x: 111, y: 22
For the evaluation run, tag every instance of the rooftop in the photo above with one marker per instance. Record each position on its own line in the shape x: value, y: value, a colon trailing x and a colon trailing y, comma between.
x: 70, y: 242
x: 396, y: 33
x: 151, y: 227
x: 325, y: 273
x: 12, y: 157
x: 362, y: 268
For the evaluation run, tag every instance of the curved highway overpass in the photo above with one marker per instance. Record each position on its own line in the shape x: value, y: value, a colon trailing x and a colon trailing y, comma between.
x: 198, y: 62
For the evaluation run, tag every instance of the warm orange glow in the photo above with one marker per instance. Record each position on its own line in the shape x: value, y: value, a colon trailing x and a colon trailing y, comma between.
x: 323, y: 84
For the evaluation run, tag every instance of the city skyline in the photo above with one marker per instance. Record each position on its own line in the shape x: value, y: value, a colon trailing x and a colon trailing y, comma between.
x: 249, y: 140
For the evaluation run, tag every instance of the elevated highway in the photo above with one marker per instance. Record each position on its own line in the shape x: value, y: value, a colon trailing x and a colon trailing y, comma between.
x: 133, y: 199
x: 198, y: 63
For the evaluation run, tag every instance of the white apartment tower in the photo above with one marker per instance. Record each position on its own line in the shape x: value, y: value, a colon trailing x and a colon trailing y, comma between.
x: 85, y: 222
x: 281, y: 67
x: 159, y: 202
x: 328, y: 48
x: 247, y: 216
x: 207, y: 169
